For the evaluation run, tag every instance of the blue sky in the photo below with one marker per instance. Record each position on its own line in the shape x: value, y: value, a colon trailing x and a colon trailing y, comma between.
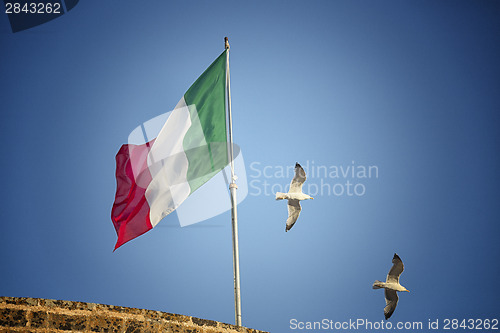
x: 408, y: 87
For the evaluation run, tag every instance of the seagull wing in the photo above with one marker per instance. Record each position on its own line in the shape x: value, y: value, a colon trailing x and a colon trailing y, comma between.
x: 293, y: 213
x: 391, y: 300
x: 298, y: 180
x: 396, y: 270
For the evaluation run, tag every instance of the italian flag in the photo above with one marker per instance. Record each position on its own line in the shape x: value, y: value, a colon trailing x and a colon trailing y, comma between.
x: 153, y: 179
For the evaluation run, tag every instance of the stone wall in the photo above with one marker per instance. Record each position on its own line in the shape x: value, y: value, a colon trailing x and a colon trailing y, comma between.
x: 46, y: 315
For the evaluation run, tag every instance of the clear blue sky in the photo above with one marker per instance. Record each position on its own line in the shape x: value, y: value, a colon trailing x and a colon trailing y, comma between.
x: 409, y: 87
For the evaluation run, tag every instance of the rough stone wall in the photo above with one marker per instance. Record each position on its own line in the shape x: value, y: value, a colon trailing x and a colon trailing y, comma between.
x: 46, y: 315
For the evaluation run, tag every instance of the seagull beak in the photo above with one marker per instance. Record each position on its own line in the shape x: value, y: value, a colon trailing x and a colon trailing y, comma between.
x: 312, y: 198
x: 407, y: 290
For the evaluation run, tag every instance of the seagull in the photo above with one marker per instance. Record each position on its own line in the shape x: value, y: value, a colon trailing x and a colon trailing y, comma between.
x: 391, y: 286
x: 293, y: 196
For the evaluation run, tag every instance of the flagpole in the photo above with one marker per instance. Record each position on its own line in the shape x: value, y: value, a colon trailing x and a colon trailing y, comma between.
x: 232, y: 189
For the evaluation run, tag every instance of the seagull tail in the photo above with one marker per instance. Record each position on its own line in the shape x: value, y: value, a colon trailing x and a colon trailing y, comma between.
x: 280, y: 196
x: 378, y: 284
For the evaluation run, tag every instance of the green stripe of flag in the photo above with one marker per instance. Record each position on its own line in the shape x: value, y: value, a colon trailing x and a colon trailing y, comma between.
x: 207, y: 94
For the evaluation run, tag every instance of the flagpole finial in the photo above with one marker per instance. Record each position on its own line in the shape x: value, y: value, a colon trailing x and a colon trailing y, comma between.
x: 226, y: 43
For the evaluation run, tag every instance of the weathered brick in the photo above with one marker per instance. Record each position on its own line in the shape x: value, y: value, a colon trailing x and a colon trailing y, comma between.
x: 151, y: 325
x: 52, y: 303
x: 23, y: 330
x: 204, y: 322
x: 69, y: 305
x: 134, y: 326
x: 38, y: 319
x: 118, y: 309
x: 224, y: 326
x: 9, y: 300
x: 172, y: 328
x: 13, y: 318
x: 19, y: 301
x: 175, y: 317
x: 83, y: 306
x: 66, y: 322
x: 106, y: 324
x: 103, y: 307
x: 5, y: 330
x: 155, y: 315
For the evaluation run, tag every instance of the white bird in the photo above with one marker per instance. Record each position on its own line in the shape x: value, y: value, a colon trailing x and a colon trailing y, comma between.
x: 293, y: 196
x: 391, y: 286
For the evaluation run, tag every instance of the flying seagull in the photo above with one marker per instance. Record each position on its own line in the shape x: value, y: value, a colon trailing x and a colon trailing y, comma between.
x: 294, y: 196
x: 391, y: 286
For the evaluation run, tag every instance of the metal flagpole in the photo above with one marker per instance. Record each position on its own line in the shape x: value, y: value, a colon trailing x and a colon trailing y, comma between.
x: 232, y: 189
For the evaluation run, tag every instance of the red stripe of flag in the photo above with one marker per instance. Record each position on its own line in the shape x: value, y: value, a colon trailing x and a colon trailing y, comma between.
x: 130, y: 212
